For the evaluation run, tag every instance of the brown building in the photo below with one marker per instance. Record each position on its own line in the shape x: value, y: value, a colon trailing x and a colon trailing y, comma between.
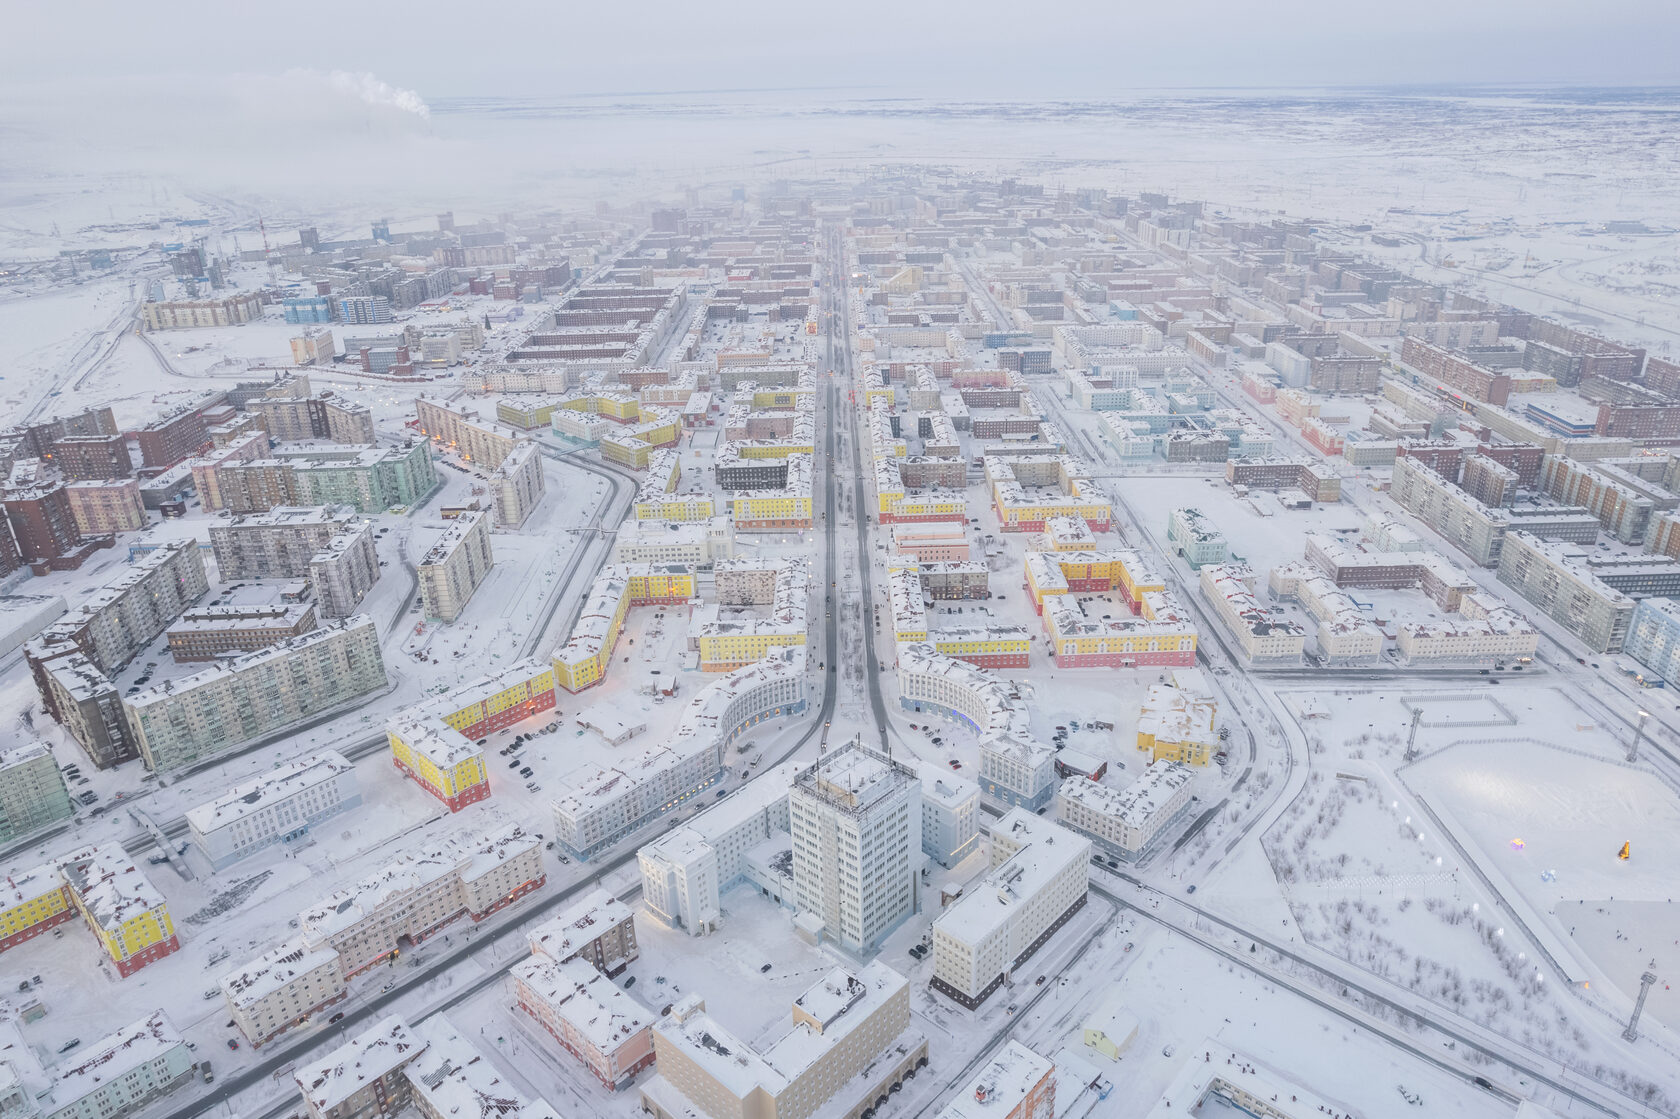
x: 207, y: 632
x: 1456, y: 372
x: 165, y: 442
x: 92, y: 457
x: 1648, y: 423
x: 1489, y: 482
x: 42, y: 522
x: 598, y: 929
x: 1524, y: 458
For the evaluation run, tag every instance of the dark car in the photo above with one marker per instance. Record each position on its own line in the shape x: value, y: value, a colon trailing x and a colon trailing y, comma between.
x: 232, y: 1044
x: 526, y: 772
x: 336, y: 1018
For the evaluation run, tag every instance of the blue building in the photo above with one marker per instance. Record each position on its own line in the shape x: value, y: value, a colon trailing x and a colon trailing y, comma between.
x: 308, y: 309
x: 364, y: 309
x: 1653, y: 637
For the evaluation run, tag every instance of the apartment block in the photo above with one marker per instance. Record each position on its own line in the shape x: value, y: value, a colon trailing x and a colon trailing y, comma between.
x: 101, y: 508
x: 206, y: 633
x: 517, y: 484
x: 92, y: 457
x: 172, y: 439
x: 1193, y: 536
x: 1477, y: 530
x: 461, y: 429
x: 32, y: 792
x: 1263, y: 636
x: 32, y: 902
x: 1654, y: 637
x: 288, y: 418
x: 1316, y: 480
x: 1555, y: 577
x: 1038, y: 880
x: 278, y: 807
x: 1129, y: 821
x: 120, y: 905
x: 1489, y: 482
x: 1014, y: 1083
x: 363, y: 1078
x: 454, y: 566
x: 188, y: 720
x: 588, y: 1015
x: 282, y: 988
x: 122, y: 1072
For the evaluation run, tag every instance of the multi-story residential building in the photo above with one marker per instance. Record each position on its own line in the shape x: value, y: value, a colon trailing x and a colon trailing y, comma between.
x: 604, y: 805
x: 71, y: 658
x: 306, y: 416
x: 364, y: 310
x: 208, y: 632
x: 183, y: 721
x: 1128, y: 821
x: 363, y: 1078
x: 1489, y: 482
x: 850, y: 1043
x: 698, y: 543
x: 120, y: 905
x: 282, y: 988
x: 451, y: 1075
x: 454, y: 566
x: 1192, y: 535
x: 31, y: 902
x: 185, y: 314
x: 582, y: 661
x: 419, y: 894
x: 1038, y: 881
x: 518, y: 484
x: 104, y: 507
x: 32, y: 792
x: 1014, y: 1083
x: 122, y: 1072
x: 280, y: 806
x: 597, y: 928
x: 172, y: 439
x: 92, y: 457
x: 370, y: 479
x: 1654, y: 637
x: 589, y: 1015
x: 1616, y: 491
x: 1476, y: 529
x: 950, y: 815
x: 456, y: 428
x: 332, y: 549
x: 1015, y: 768
x: 1263, y: 636
x: 42, y: 522
x: 856, y: 821
x: 1484, y: 629
x: 1556, y: 578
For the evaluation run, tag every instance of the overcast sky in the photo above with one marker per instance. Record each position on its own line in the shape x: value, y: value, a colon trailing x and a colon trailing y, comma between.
x: 1000, y: 49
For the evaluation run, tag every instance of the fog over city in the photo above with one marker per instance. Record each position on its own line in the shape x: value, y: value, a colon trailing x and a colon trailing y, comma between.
x: 890, y: 561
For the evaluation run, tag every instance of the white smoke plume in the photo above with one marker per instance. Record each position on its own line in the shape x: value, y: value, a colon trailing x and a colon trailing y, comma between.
x: 376, y: 92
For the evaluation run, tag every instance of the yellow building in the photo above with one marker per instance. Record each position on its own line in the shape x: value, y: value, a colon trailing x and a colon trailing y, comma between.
x: 31, y: 902
x: 780, y: 397
x: 683, y: 508
x: 442, y: 760
x: 616, y: 405
x: 1177, y: 725
x: 121, y: 906
x: 771, y: 507
x: 582, y: 661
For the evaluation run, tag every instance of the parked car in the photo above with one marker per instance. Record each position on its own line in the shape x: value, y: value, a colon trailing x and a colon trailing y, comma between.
x: 233, y: 1043
x: 69, y: 1045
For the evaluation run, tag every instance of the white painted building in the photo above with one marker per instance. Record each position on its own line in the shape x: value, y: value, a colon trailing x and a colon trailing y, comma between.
x: 1127, y: 820
x: 280, y: 806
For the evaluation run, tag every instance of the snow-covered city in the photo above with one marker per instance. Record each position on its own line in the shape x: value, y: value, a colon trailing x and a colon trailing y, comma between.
x: 1086, y: 622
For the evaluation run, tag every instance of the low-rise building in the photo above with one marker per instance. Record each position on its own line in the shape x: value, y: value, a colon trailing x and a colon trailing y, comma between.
x: 597, y: 928
x: 1192, y: 535
x: 1014, y: 1083
x: 280, y: 806
x: 452, y: 1079
x: 363, y: 1078
x: 31, y: 902
x: 850, y: 1043
x: 1176, y: 724
x: 1264, y: 637
x: 1128, y: 821
x: 282, y: 988
x: 206, y: 633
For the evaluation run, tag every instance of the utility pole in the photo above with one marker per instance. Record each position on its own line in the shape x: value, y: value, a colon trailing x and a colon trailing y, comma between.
x: 1646, y: 982
x: 1411, y: 737
x: 1638, y: 733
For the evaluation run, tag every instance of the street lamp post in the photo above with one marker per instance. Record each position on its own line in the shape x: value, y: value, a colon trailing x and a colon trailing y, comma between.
x: 1638, y: 733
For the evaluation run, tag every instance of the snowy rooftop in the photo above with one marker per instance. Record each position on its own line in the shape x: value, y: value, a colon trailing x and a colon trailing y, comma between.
x: 457, y: 1080
x: 594, y: 915
x: 601, y: 1011
x: 276, y: 785
x: 273, y: 970
x: 27, y: 885
x: 111, y: 887
x: 1047, y: 849
x: 1001, y: 1085
x: 853, y: 777
x: 114, y: 1057
x: 366, y: 1057
x: 1137, y: 804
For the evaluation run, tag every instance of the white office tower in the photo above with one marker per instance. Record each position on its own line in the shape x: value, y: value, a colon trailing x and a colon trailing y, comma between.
x: 856, y: 820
